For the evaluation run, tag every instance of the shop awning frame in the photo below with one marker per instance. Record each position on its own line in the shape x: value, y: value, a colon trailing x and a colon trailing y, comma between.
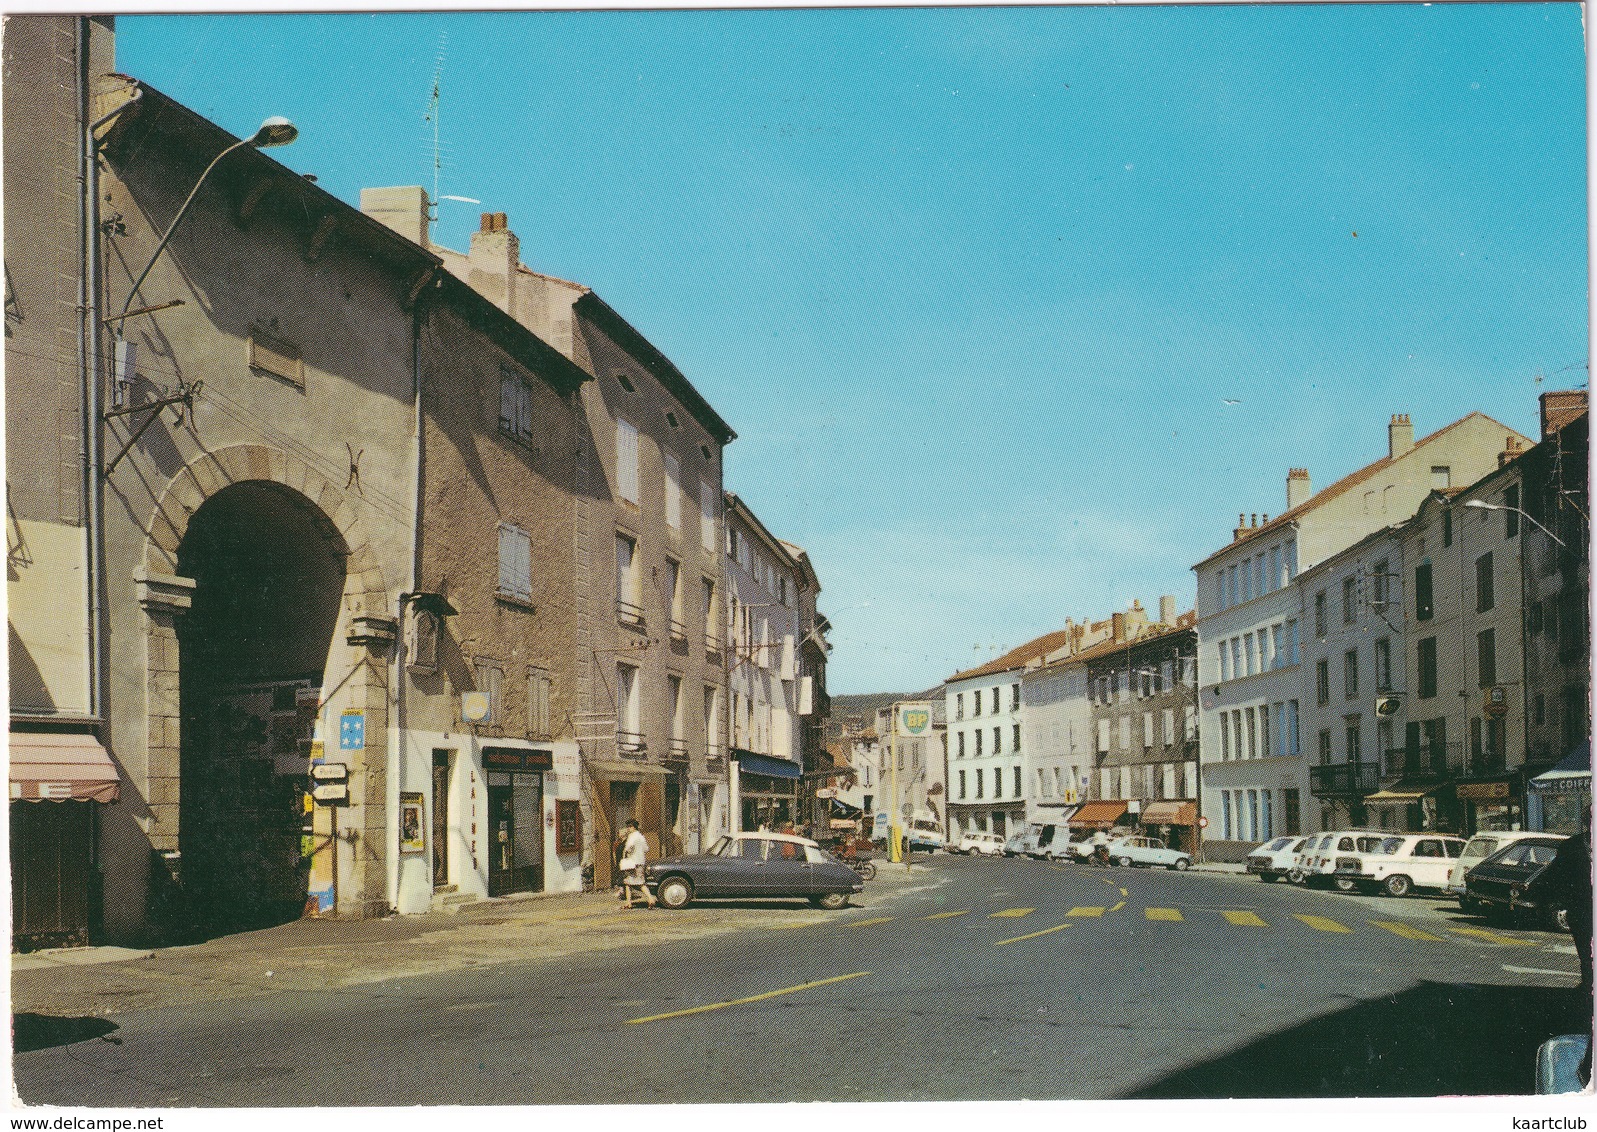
x: 1100, y: 813
x: 1400, y: 793
x: 1169, y: 813
x: 59, y: 766
x: 751, y: 763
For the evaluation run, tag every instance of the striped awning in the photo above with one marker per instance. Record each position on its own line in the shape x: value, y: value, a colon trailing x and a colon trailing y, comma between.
x: 54, y: 766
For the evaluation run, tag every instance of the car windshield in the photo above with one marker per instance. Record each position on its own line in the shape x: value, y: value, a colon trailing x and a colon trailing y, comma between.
x: 722, y: 847
x: 1373, y: 845
x: 1540, y: 854
x: 1480, y: 847
x: 1278, y: 843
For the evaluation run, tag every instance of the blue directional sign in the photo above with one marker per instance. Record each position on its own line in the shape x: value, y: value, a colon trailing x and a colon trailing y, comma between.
x: 352, y: 731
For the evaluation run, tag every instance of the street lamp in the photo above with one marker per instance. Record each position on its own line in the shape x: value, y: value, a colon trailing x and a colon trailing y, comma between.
x: 274, y: 131
x: 1482, y: 505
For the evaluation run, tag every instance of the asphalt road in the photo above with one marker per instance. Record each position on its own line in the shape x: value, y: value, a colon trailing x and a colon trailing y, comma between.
x: 980, y: 980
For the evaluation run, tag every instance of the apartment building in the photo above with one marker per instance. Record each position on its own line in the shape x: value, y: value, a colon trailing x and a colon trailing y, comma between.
x: 1142, y: 691
x: 1056, y: 724
x: 763, y: 634
x: 651, y: 697
x: 1351, y: 707
x: 1250, y: 613
x: 988, y: 786
x: 1556, y: 562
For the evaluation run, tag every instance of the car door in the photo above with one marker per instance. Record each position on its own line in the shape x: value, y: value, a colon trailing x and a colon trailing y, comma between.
x: 741, y: 871
x: 1429, y: 863
x: 787, y: 872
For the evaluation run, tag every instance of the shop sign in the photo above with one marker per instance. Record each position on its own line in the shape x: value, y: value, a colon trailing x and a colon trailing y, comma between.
x: 331, y: 793
x: 1496, y: 702
x: 514, y: 758
x: 912, y: 720
x: 1482, y: 791
x: 352, y: 731
x: 330, y: 772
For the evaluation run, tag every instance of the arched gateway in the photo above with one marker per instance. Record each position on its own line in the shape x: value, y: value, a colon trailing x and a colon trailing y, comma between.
x: 283, y: 633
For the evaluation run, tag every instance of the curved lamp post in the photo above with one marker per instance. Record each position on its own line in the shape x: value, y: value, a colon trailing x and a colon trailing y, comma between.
x: 274, y: 131
x: 1482, y: 505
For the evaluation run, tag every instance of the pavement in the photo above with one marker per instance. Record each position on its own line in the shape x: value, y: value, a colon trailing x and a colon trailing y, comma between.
x: 320, y: 953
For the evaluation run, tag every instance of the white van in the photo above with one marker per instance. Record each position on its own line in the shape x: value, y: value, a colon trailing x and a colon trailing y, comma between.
x: 977, y: 843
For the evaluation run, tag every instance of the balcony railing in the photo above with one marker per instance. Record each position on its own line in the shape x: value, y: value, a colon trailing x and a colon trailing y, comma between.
x: 679, y: 631
x: 712, y: 643
x: 629, y: 615
x: 677, y: 750
x: 631, y: 744
x: 1344, y: 780
x: 714, y: 759
x: 1427, y: 761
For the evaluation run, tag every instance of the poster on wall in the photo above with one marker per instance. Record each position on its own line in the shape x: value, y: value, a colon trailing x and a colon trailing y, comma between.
x: 411, y: 823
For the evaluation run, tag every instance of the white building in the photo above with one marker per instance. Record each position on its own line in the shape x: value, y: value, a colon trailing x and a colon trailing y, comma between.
x: 761, y: 580
x: 1056, y: 724
x: 1255, y: 778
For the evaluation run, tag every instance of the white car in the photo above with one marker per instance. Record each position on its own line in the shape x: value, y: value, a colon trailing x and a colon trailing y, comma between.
x: 976, y: 844
x: 1023, y: 842
x: 1148, y: 852
x: 1317, y: 859
x: 1476, y: 850
x: 1401, y: 863
x: 1276, y: 859
x: 1081, y: 849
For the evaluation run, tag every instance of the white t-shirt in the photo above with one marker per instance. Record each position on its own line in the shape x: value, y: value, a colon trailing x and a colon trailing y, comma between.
x: 634, y: 850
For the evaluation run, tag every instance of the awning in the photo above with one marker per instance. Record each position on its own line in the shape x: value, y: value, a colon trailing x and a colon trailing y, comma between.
x: 764, y: 764
x: 1170, y: 813
x: 1098, y: 813
x: 1570, y: 776
x: 626, y: 772
x: 1401, y: 792
x: 842, y: 809
x: 61, y: 767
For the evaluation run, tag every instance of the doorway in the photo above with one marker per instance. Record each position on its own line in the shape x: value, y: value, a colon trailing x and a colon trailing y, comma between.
x: 269, y: 579
x: 515, y: 823
x: 442, y: 760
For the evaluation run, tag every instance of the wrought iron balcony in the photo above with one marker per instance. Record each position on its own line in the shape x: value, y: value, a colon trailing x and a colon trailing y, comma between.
x: 677, y: 750
x: 1344, y: 780
x: 679, y: 631
x: 631, y: 744
x: 629, y: 615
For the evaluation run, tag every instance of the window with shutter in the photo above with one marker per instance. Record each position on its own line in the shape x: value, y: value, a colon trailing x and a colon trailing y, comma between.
x: 515, y: 563
x: 627, y: 461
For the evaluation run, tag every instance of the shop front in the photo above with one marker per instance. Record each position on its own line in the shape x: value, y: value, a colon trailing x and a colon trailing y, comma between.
x: 1404, y: 808
x: 1176, y: 823
x: 766, y: 790
x: 515, y: 779
x: 1560, y: 799
x: 58, y: 782
x: 1488, y: 805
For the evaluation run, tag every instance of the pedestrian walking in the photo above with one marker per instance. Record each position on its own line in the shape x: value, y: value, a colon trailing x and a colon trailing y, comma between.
x: 634, y: 854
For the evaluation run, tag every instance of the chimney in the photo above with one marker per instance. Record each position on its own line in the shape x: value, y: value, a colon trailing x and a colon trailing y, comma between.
x: 1513, y: 449
x: 1242, y: 527
x: 1399, y: 435
x: 404, y: 209
x: 495, y: 255
x: 1559, y: 408
x: 1297, y: 487
x: 1167, y: 609
x: 1119, y: 620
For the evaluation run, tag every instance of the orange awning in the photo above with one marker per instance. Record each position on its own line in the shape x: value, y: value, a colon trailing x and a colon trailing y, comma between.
x: 1097, y: 813
x: 61, y: 767
x: 1170, y: 813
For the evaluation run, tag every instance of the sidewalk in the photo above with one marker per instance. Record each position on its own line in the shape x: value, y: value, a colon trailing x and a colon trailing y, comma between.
x: 318, y: 954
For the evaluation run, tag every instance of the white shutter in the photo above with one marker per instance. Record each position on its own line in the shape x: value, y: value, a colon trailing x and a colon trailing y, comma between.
x: 673, y: 492
x: 627, y: 461
x: 707, y: 511
x: 806, y: 695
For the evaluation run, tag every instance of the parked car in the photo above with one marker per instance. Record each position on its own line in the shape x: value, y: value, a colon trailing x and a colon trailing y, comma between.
x: 1053, y: 842
x: 1081, y: 846
x: 1147, y: 852
x: 1276, y: 859
x: 1561, y: 1064
x: 1023, y: 842
x: 1400, y: 863
x: 1477, y: 849
x: 1495, y: 887
x: 755, y: 864
x: 925, y: 833
x: 1317, y: 861
x: 977, y: 843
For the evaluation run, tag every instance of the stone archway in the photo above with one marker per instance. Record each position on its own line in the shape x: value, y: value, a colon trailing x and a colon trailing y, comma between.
x: 356, y: 671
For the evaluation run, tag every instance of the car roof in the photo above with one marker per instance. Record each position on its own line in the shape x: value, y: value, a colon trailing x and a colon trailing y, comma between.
x: 751, y: 835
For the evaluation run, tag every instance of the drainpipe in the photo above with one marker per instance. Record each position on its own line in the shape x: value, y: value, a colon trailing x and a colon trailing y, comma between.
x: 90, y: 350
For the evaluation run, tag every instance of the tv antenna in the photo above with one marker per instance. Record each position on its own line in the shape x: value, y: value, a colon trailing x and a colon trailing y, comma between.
x: 434, y: 104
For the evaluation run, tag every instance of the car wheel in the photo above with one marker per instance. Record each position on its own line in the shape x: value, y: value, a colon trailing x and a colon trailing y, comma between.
x: 1469, y: 906
x: 674, y: 892
x: 1294, y: 876
x: 1343, y: 884
x: 867, y: 870
x: 1123, y: 862
x: 1397, y: 885
x: 1555, y: 920
x: 1269, y: 878
x: 1181, y: 865
x: 832, y: 901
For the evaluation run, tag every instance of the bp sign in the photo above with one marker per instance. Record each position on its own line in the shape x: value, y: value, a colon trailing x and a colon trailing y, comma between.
x: 912, y: 720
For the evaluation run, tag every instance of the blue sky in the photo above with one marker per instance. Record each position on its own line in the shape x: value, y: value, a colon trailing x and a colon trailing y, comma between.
x: 975, y: 286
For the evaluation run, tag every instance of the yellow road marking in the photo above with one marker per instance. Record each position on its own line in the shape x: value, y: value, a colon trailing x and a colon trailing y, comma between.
x: 800, y: 924
x: 1162, y: 914
x: 1245, y: 919
x: 945, y: 915
x: 1085, y: 912
x: 1119, y: 906
x: 1011, y: 913
x: 868, y: 923
x: 751, y: 998
x: 1320, y: 923
x: 1123, y: 892
x: 1033, y: 935
x: 1405, y: 931
x: 1493, y: 937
